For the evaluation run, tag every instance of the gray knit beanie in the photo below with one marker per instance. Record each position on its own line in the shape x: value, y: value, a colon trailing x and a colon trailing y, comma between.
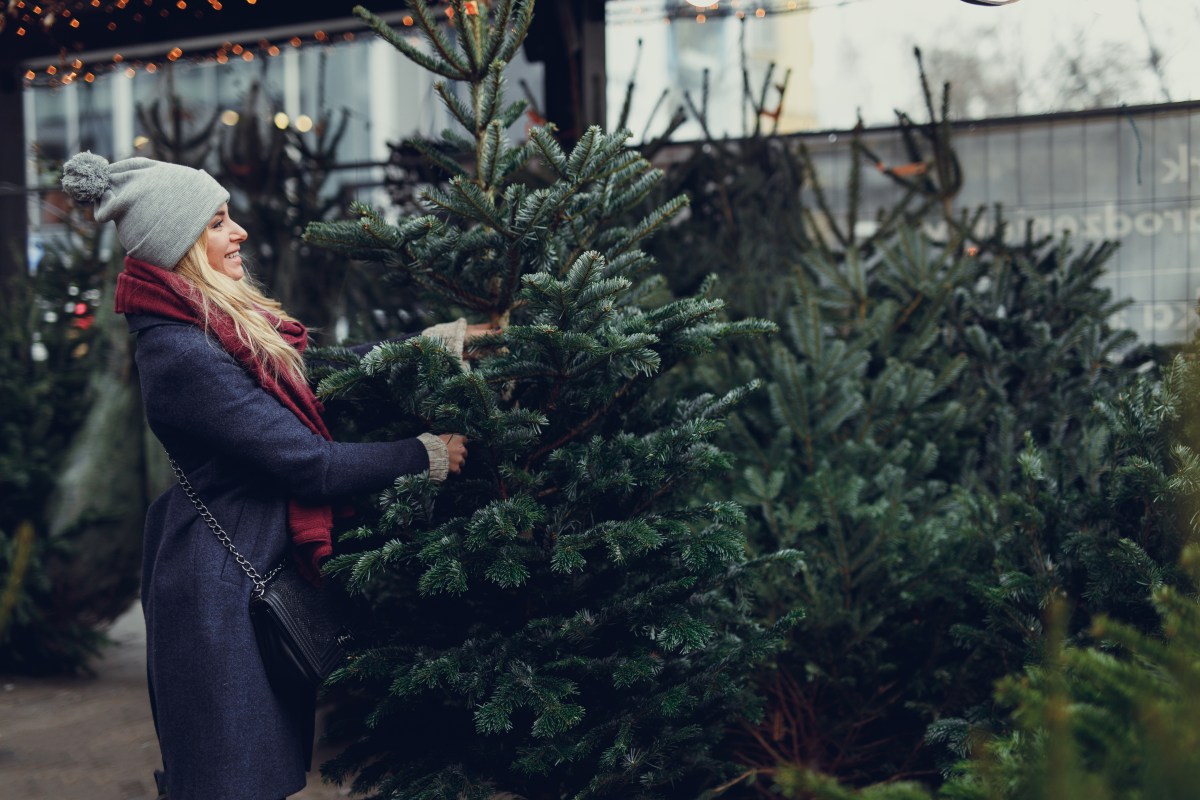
x: 160, y: 209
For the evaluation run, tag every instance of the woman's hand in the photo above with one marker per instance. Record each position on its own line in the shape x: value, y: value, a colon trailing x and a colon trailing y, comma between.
x: 474, y: 331
x: 456, y: 448
x: 481, y: 329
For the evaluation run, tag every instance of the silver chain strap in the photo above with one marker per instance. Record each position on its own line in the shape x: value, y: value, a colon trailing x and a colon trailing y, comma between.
x: 260, y: 583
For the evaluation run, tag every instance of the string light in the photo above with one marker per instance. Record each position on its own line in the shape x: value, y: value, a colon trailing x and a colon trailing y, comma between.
x: 50, y: 11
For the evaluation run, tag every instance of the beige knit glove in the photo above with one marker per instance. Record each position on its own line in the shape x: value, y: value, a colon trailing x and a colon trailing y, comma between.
x: 439, y: 456
x: 453, y: 336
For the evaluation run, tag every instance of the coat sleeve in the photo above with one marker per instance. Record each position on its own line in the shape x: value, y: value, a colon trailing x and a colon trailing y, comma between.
x: 195, y: 392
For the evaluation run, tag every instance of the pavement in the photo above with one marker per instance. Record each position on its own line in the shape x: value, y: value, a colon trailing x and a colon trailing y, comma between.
x: 92, y: 738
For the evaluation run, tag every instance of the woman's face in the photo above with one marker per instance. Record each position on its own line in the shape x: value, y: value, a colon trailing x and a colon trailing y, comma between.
x: 225, y: 239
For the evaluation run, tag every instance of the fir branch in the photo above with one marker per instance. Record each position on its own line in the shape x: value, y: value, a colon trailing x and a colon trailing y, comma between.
x: 492, y: 44
x: 512, y: 112
x: 514, y: 160
x: 490, y: 95
x: 653, y: 221
x: 491, y: 149
x: 582, y: 427
x: 584, y: 153
x: 449, y: 66
x: 435, y: 156
x: 551, y: 152
x: 472, y: 36
x: 515, y: 33
x: 457, y: 108
x: 469, y: 201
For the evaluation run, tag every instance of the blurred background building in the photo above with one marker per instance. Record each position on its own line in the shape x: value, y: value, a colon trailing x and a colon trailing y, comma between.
x: 1076, y: 117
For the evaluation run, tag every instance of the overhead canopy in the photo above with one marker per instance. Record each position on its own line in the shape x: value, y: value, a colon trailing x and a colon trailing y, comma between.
x: 111, y: 26
x: 568, y: 35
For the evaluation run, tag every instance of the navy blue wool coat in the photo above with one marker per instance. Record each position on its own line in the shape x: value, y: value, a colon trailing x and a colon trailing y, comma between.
x: 223, y: 733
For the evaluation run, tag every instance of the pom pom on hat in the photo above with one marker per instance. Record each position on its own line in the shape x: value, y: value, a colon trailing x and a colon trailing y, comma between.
x: 86, y: 178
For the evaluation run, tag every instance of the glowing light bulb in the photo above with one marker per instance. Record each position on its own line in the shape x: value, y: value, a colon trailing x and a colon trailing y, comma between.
x: 700, y: 3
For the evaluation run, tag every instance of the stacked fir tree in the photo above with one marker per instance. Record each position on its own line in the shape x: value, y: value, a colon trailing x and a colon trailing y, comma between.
x: 926, y: 438
x: 565, y: 619
x: 1109, y: 711
x: 47, y: 355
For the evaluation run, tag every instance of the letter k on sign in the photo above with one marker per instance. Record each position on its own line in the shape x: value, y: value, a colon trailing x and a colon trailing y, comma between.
x: 1178, y: 168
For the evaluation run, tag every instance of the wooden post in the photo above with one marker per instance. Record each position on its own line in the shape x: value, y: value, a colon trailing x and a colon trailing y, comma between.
x: 568, y: 37
x: 14, y: 225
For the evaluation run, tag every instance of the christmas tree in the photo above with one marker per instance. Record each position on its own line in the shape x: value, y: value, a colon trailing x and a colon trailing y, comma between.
x: 952, y: 432
x: 890, y: 446
x: 48, y: 353
x: 568, y: 618
x: 945, y: 512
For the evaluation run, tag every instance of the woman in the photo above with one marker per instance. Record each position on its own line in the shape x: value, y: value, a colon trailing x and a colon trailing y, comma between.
x: 224, y: 390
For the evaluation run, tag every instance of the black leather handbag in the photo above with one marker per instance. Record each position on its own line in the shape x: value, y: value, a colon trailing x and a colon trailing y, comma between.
x: 301, y: 630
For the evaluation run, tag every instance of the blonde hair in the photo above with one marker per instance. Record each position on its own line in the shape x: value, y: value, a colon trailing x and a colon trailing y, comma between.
x: 242, y: 301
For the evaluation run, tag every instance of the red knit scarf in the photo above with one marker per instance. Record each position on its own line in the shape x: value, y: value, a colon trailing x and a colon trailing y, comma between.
x: 146, y: 289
